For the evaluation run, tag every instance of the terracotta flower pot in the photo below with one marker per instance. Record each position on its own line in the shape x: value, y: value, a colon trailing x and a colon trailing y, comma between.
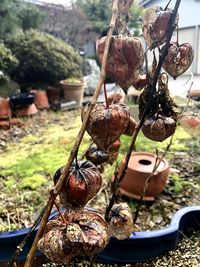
x: 26, y: 110
x: 54, y: 94
x: 40, y: 99
x: 73, y: 91
x: 5, y: 110
x: 140, y: 167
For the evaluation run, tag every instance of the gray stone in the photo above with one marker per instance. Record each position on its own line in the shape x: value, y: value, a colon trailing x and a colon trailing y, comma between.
x: 92, y: 77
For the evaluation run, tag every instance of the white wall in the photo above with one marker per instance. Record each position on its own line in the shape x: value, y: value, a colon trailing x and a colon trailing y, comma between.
x: 189, y: 11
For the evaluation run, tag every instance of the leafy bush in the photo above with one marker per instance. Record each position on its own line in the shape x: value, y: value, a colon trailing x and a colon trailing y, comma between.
x: 43, y: 59
x: 7, y: 61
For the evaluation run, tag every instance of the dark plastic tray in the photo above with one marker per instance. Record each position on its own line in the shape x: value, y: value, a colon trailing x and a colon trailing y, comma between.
x: 21, y: 100
x: 138, y: 248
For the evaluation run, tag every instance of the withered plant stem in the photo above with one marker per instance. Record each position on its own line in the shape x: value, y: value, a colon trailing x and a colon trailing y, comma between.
x: 30, y: 258
x: 105, y: 95
x: 152, y: 88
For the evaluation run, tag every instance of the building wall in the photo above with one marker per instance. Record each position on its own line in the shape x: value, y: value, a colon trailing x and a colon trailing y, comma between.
x: 189, y: 27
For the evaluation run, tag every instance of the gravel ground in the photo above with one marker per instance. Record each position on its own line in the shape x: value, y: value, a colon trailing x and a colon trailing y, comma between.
x: 186, y: 254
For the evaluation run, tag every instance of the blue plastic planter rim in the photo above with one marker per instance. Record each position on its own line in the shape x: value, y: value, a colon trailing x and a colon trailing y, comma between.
x: 144, y: 245
x: 138, y: 248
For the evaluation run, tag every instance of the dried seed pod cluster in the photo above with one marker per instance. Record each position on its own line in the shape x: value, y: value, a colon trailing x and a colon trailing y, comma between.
x: 83, y: 183
x: 160, y: 122
x: 125, y: 60
x: 83, y: 232
x: 105, y: 125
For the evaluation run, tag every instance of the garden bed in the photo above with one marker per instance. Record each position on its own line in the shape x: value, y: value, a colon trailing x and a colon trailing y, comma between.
x: 31, y: 154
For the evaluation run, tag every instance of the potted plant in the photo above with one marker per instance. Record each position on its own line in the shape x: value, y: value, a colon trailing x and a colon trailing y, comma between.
x: 73, y: 89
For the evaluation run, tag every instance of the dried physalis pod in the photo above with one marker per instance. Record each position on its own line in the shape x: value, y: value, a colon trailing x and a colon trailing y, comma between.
x: 131, y: 127
x: 191, y: 124
x: 83, y: 183
x: 124, y: 5
x: 178, y: 59
x: 158, y: 128
x: 155, y: 25
x: 96, y: 155
x: 125, y: 59
x: 105, y: 125
x: 121, y: 221
x: 81, y: 233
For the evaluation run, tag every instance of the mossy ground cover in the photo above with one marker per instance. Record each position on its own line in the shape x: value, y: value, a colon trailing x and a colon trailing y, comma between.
x: 35, y: 151
x: 27, y: 165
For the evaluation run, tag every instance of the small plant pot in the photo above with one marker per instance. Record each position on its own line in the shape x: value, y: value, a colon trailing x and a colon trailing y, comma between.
x: 26, y: 110
x: 40, y: 99
x: 73, y: 91
x: 140, y: 166
x: 54, y: 94
x: 5, y: 110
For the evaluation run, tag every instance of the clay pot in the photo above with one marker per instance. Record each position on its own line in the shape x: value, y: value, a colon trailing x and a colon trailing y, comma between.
x: 5, y: 111
x: 26, y: 110
x: 54, y: 94
x: 73, y: 91
x: 41, y: 100
x: 140, y: 167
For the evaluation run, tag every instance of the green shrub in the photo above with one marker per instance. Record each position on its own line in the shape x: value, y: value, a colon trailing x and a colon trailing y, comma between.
x: 7, y: 61
x: 43, y: 59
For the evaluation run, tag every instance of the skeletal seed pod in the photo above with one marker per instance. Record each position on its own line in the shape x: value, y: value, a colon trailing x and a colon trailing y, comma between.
x: 84, y: 232
x: 125, y: 59
x: 121, y: 221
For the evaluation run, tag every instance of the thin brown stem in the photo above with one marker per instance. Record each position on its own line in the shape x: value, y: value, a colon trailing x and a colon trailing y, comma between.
x: 188, y: 95
x: 65, y: 173
x: 84, y: 153
x: 105, y: 95
x: 167, y: 5
x: 60, y: 213
x: 155, y: 167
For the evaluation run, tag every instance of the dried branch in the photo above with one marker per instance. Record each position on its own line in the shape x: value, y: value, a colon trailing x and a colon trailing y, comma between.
x: 73, y: 154
x: 152, y: 88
